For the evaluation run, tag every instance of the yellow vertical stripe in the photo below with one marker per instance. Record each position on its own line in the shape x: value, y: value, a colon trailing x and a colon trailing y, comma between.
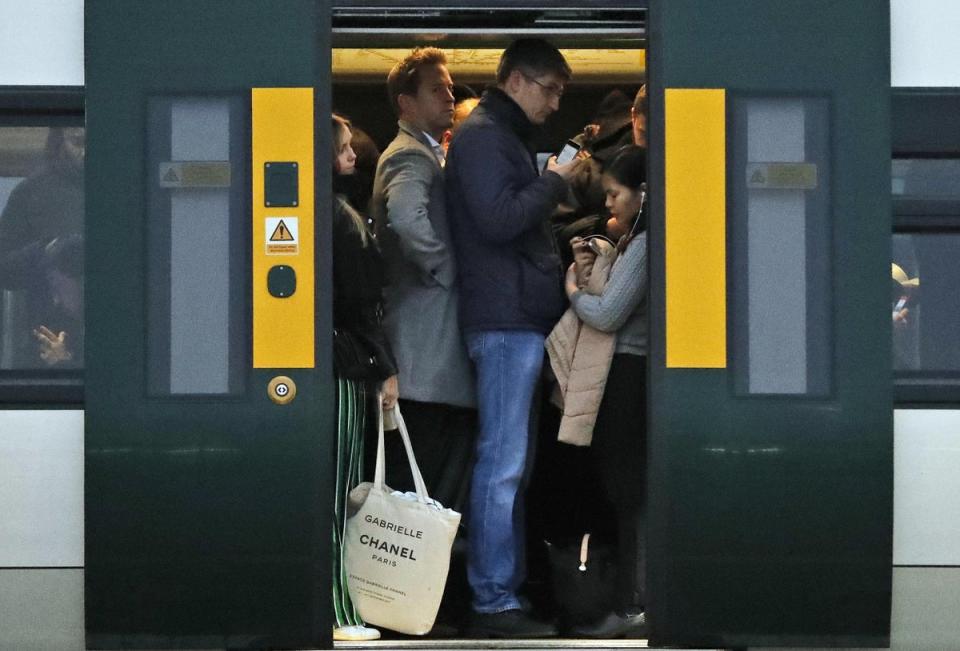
x: 695, y: 203
x: 282, y: 131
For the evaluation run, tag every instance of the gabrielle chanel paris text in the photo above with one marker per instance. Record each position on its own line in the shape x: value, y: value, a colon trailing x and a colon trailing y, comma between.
x: 390, y: 548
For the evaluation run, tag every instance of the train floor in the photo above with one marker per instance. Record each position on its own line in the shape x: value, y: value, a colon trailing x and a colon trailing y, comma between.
x: 499, y: 645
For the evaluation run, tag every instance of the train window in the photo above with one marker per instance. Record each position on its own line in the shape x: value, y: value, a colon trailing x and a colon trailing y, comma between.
x: 926, y: 179
x: 925, y: 274
x: 41, y: 247
x: 926, y: 303
x: 781, y: 279
x: 925, y: 269
x: 196, y: 330
x: 42, y: 149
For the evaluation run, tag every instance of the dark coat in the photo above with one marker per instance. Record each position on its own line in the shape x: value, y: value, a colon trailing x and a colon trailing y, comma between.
x: 499, y: 208
x: 44, y: 207
x: 421, y: 297
x: 358, y: 289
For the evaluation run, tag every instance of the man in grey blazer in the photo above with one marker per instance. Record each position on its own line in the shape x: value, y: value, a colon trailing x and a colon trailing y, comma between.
x: 437, y: 390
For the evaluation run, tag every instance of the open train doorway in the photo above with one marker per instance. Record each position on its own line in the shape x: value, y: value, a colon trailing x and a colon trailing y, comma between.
x: 605, y: 46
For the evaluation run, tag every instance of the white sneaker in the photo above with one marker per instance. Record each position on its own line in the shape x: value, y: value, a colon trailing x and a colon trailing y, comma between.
x: 355, y: 633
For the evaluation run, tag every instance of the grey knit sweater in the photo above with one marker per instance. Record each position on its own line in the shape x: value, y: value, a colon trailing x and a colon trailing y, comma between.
x: 622, y: 308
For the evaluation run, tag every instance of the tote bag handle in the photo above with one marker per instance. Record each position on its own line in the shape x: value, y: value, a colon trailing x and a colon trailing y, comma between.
x: 381, y: 470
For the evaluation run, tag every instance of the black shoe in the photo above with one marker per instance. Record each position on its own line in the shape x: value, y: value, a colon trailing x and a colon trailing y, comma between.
x: 615, y: 626
x: 444, y: 630
x: 509, y: 624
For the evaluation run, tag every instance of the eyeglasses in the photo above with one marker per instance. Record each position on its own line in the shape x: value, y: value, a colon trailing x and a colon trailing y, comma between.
x: 552, y: 90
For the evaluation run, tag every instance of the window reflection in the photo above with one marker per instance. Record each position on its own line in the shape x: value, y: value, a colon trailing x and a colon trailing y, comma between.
x: 925, y: 302
x: 41, y: 247
x: 926, y: 178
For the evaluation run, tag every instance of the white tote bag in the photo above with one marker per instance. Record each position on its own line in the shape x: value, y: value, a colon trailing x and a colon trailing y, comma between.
x: 397, y: 548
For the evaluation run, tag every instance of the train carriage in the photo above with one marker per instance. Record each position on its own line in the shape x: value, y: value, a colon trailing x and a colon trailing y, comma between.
x: 155, y: 491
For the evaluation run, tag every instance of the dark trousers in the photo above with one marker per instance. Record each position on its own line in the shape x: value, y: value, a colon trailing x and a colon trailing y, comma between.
x: 619, y: 451
x: 443, y: 437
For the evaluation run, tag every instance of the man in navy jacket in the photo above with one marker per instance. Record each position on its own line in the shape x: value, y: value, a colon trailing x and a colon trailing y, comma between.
x: 511, y: 295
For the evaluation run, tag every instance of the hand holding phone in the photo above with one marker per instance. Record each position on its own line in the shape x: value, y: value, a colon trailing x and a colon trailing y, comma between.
x: 900, y: 311
x: 568, y: 153
x: 566, y: 162
x: 583, y: 253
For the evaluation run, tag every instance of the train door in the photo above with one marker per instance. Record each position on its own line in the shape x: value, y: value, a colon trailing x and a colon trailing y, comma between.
x: 770, y: 491
x: 210, y: 406
x: 770, y: 444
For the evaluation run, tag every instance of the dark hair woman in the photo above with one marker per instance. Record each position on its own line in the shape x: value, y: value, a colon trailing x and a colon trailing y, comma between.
x: 619, y: 435
x: 357, y: 296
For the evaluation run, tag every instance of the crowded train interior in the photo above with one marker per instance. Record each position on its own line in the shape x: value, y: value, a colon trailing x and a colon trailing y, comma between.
x: 606, y: 50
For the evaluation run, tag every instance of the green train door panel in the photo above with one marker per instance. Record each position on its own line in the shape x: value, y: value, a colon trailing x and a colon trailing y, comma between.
x: 771, y: 444
x: 208, y: 479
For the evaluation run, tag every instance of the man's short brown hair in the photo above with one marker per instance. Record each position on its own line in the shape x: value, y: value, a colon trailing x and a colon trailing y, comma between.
x: 640, y: 101
x: 404, y: 78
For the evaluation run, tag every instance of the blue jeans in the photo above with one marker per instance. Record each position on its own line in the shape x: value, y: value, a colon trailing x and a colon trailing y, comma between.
x: 508, y: 364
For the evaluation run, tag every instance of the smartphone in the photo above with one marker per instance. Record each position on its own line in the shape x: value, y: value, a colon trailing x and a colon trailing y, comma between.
x: 594, y: 243
x: 900, y: 305
x: 569, y: 151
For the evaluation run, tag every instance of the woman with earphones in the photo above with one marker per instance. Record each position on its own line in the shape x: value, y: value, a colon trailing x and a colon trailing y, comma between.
x: 619, y: 435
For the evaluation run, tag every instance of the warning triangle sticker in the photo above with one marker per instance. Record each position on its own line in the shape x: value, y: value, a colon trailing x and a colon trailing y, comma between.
x: 171, y: 176
x: 281, y: 233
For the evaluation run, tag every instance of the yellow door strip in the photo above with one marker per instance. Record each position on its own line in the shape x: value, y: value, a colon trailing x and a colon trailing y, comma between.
x: 283, y: 231
x: 695, y: 205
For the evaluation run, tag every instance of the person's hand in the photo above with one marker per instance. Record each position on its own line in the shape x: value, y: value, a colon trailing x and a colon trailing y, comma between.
x: 900, y: 318
x: 390, y: 392
x: 583, y: 260
x: 570, y: 282
x: 567, y: 170
x: 53, y: 347
x: 583, y: 255
x: 590, y: 132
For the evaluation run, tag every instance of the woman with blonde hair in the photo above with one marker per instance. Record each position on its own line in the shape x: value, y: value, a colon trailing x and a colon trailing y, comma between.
x: 363, y: 363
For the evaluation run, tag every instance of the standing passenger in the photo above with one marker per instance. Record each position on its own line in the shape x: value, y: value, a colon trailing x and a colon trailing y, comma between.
x: 357, y: 186
x: 437, y: 392
x: 357, y: 295
x: 638, y: 123
x: 583, y: 213
x: 619, y: 436
x: 511, y: 296
x: 43, y: 211
x: 638, y: 117
x: 464, y: 101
